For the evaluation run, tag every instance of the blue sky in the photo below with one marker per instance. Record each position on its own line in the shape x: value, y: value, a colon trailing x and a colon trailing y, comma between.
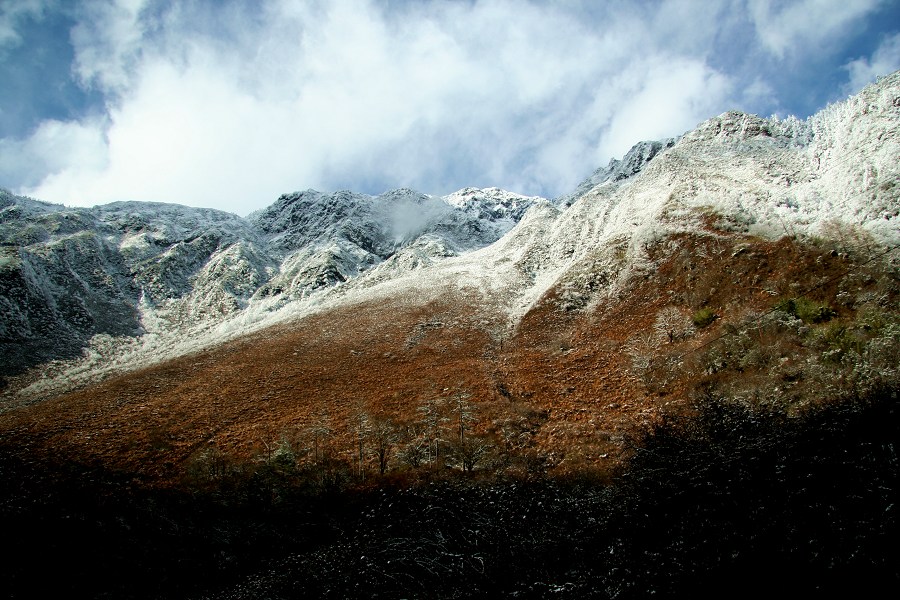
x: 228, y: 104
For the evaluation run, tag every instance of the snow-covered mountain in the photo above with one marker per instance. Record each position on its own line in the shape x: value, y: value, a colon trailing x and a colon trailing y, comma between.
x: 324, y: 239
x: 120, y: 284
x: 617, y: 170
x: 130, y: 269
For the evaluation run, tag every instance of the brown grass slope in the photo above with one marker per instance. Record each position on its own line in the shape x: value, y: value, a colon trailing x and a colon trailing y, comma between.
x: 564, y: 390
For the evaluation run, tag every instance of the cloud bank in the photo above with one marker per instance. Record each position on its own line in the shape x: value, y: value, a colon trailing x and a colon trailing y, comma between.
x: 228, y: 104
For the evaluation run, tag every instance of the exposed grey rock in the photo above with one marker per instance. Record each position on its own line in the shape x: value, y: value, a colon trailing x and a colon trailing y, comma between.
x: 67, y: 275
x: 631, y: 164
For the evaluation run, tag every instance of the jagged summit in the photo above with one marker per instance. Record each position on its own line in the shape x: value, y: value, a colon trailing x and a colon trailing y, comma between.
x: 617, y: 170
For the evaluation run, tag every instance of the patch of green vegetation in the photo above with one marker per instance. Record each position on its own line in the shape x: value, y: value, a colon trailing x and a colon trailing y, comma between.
x: 704, y: 317
x: 875, y: 321
x: 806, y: 310
x: 838, y: 339
x: 9, y: 258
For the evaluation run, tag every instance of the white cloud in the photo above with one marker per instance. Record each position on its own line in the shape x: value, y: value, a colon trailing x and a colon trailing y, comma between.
x: 55, y: 146
x: 806, y: 26
x: 885, y: 60
x: 230, y: 110
x: 341, y: 93
x: 107, y: 42
x: 759, y: 93
x: 665, y: 97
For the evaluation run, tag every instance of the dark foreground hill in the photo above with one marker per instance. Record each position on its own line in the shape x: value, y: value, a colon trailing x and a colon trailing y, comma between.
x: 733, y: 503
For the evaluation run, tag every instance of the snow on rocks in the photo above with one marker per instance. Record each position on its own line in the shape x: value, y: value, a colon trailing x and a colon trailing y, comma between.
x: 195, y: 277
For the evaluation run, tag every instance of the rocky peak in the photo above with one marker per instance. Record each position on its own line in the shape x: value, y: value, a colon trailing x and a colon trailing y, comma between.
x: 617, y: 170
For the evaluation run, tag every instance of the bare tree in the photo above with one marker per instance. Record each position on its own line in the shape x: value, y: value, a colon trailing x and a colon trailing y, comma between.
x: 463, y: 414
x: 320, y: 430
x: 383, y: 435
x: 361, y: 426
x: 467, y: 448
x: 432, y: 419
x: 414, y: 452
x: 210, y: 463
x: 640, y: 350
x: 471, y: 450
x: 672, y: 325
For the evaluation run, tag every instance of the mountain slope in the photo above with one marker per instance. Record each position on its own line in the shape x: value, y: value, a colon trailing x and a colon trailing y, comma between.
x: 580, y: 324
x: 128, y: 276
x: 834, y: 176
x: 677, y: 378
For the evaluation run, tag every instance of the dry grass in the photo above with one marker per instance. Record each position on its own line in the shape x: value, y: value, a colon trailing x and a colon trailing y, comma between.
x: 560, y: 387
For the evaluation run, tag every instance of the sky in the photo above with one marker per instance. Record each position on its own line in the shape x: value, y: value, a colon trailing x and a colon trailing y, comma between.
x: 229, y: 103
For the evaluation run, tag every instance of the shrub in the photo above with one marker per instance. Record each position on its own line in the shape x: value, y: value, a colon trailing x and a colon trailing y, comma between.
x: 703, y: 318
x: 836, y: 339
x: 806, y: 310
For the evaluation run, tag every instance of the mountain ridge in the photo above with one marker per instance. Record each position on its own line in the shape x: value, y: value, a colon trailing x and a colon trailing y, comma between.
x: 191, y: 266
x: 219, y: 275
